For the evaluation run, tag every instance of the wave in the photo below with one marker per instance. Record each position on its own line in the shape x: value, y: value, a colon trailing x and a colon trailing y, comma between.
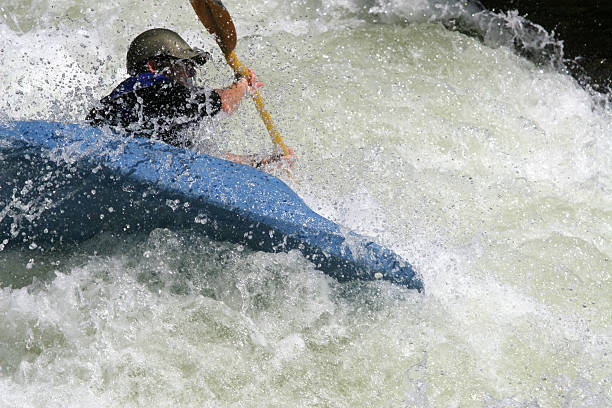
x: 507, y: 29
x: 495, y: 29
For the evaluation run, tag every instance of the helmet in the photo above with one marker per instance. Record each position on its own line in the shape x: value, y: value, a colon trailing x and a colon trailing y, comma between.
x: 160, y: 42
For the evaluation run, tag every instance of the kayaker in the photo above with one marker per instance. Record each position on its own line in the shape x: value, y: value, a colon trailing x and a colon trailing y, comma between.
x: 159, y: 99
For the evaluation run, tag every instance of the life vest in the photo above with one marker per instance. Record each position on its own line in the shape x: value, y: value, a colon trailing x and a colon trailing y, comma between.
x: 153, y: 105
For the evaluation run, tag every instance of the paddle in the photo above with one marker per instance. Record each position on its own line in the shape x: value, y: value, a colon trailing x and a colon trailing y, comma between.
x: 216, y: 19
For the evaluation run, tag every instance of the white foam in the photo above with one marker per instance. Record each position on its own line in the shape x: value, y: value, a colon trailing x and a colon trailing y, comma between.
x: 490, y: 174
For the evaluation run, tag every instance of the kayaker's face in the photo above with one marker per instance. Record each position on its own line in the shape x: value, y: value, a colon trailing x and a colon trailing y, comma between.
x: 182, y: 71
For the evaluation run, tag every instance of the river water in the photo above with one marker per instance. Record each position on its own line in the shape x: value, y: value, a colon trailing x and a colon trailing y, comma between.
x: 448, y: 133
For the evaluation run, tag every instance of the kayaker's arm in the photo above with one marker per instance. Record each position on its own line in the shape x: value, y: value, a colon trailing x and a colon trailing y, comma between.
x: 232, y: 95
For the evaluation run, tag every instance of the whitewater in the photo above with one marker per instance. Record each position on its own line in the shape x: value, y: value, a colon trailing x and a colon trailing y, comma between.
x: 444, y: 131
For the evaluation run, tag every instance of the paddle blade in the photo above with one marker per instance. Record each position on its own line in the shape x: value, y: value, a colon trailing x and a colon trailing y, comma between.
x: 217, y: 20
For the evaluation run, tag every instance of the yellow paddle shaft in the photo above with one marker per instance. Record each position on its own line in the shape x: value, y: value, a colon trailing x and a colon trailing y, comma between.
x: 239, y: 67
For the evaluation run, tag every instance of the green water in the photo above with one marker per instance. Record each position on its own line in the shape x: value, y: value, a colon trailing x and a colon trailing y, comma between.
x: 492, y: 175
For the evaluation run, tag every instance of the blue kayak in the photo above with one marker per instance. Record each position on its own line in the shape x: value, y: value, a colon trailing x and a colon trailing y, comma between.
x: 61, y: 184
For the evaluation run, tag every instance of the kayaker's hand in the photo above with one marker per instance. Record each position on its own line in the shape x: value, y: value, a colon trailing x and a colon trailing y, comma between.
x: 288, y: 161
x: 283, y: 161
x: 253, y: 83
x: 257, y: 161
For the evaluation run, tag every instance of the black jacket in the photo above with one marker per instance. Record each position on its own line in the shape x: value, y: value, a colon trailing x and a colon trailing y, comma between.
x: 155, y: 106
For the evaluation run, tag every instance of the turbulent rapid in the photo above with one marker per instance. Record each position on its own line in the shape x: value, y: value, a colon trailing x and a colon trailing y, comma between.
x: 448, y: 133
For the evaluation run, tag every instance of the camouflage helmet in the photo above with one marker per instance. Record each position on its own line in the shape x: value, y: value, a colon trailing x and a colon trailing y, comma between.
x: 160, y: 42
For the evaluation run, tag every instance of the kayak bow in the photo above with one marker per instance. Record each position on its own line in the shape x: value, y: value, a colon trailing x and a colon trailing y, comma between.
x: 64, y: 183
